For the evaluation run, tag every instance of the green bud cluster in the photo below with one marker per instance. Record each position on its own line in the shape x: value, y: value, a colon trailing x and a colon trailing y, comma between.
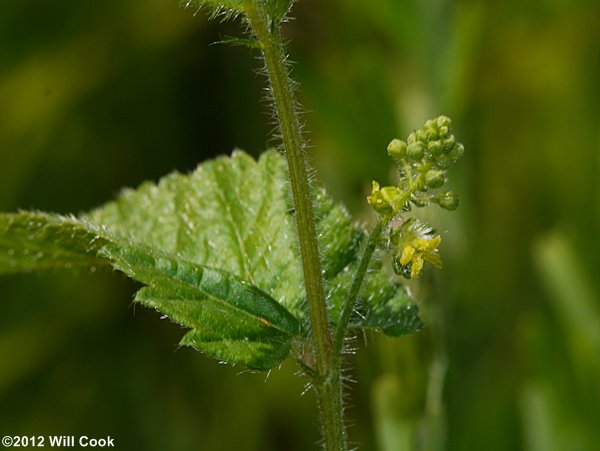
x: 422, y: 161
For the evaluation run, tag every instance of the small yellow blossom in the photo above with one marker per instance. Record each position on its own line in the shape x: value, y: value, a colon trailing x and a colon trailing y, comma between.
x: 385, y: 200
x: 419, y: 251
x: 415, y: 247
x: 407, y: 254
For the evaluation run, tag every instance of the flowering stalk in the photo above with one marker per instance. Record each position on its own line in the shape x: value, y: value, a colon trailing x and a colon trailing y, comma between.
x: 422, y: 165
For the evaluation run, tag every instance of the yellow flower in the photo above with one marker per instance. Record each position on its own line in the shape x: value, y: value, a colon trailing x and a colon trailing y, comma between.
x: 415, y: 248
x: 385, y: 200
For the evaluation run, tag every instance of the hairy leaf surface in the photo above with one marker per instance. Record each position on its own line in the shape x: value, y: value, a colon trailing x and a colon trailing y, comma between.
x: 231, y: 213
x: 383, y: 304
x: 36, y: 241
x: 230, y: 319
x: 218, y: 253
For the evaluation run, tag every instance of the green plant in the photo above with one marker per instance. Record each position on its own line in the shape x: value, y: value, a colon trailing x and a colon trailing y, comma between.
x: 218, y: 251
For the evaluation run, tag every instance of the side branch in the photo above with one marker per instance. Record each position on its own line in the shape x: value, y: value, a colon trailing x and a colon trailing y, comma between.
x: 350, y: 303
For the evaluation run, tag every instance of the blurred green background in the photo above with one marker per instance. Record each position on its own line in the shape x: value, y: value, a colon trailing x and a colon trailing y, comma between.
x: 99, y: 95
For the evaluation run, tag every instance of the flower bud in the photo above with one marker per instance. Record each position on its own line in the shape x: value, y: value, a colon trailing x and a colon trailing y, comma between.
x: 415, y: 151
x: 434, y: 148
x: 430, y: 135
x: 443, y: 121
x: 397, y: 149
x: 443, y: 162
x: 434, y: 179
x: 444, y: 131
x: 384, y: 200
x: 448, y: 143
x: 448, y: 200
x: 456, y: 153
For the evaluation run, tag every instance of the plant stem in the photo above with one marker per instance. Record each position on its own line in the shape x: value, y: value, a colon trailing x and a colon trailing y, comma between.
x: 328, y: 383
x: 294, y: 151
x: 331, y: 408
x: 359, y: 277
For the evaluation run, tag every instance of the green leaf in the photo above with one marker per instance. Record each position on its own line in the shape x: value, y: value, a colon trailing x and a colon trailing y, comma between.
x: 339, y: 237
x: 232, y: 213
x: 230, y: 319
x: 383, y: 304
x: 218, y: 253
x: 36, y: 241
x: 386, y: 306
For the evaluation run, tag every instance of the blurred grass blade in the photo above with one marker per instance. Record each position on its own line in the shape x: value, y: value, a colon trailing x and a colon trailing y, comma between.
x: 536, y: 414
x: 394, y: 428
x: 570, y: 291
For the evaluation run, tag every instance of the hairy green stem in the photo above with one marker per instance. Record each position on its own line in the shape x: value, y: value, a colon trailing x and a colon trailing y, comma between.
x: 350, y: 303
x: 328, y: 383
x: 359, y: 277
x: 331, y: 407
x: 293, y: 144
